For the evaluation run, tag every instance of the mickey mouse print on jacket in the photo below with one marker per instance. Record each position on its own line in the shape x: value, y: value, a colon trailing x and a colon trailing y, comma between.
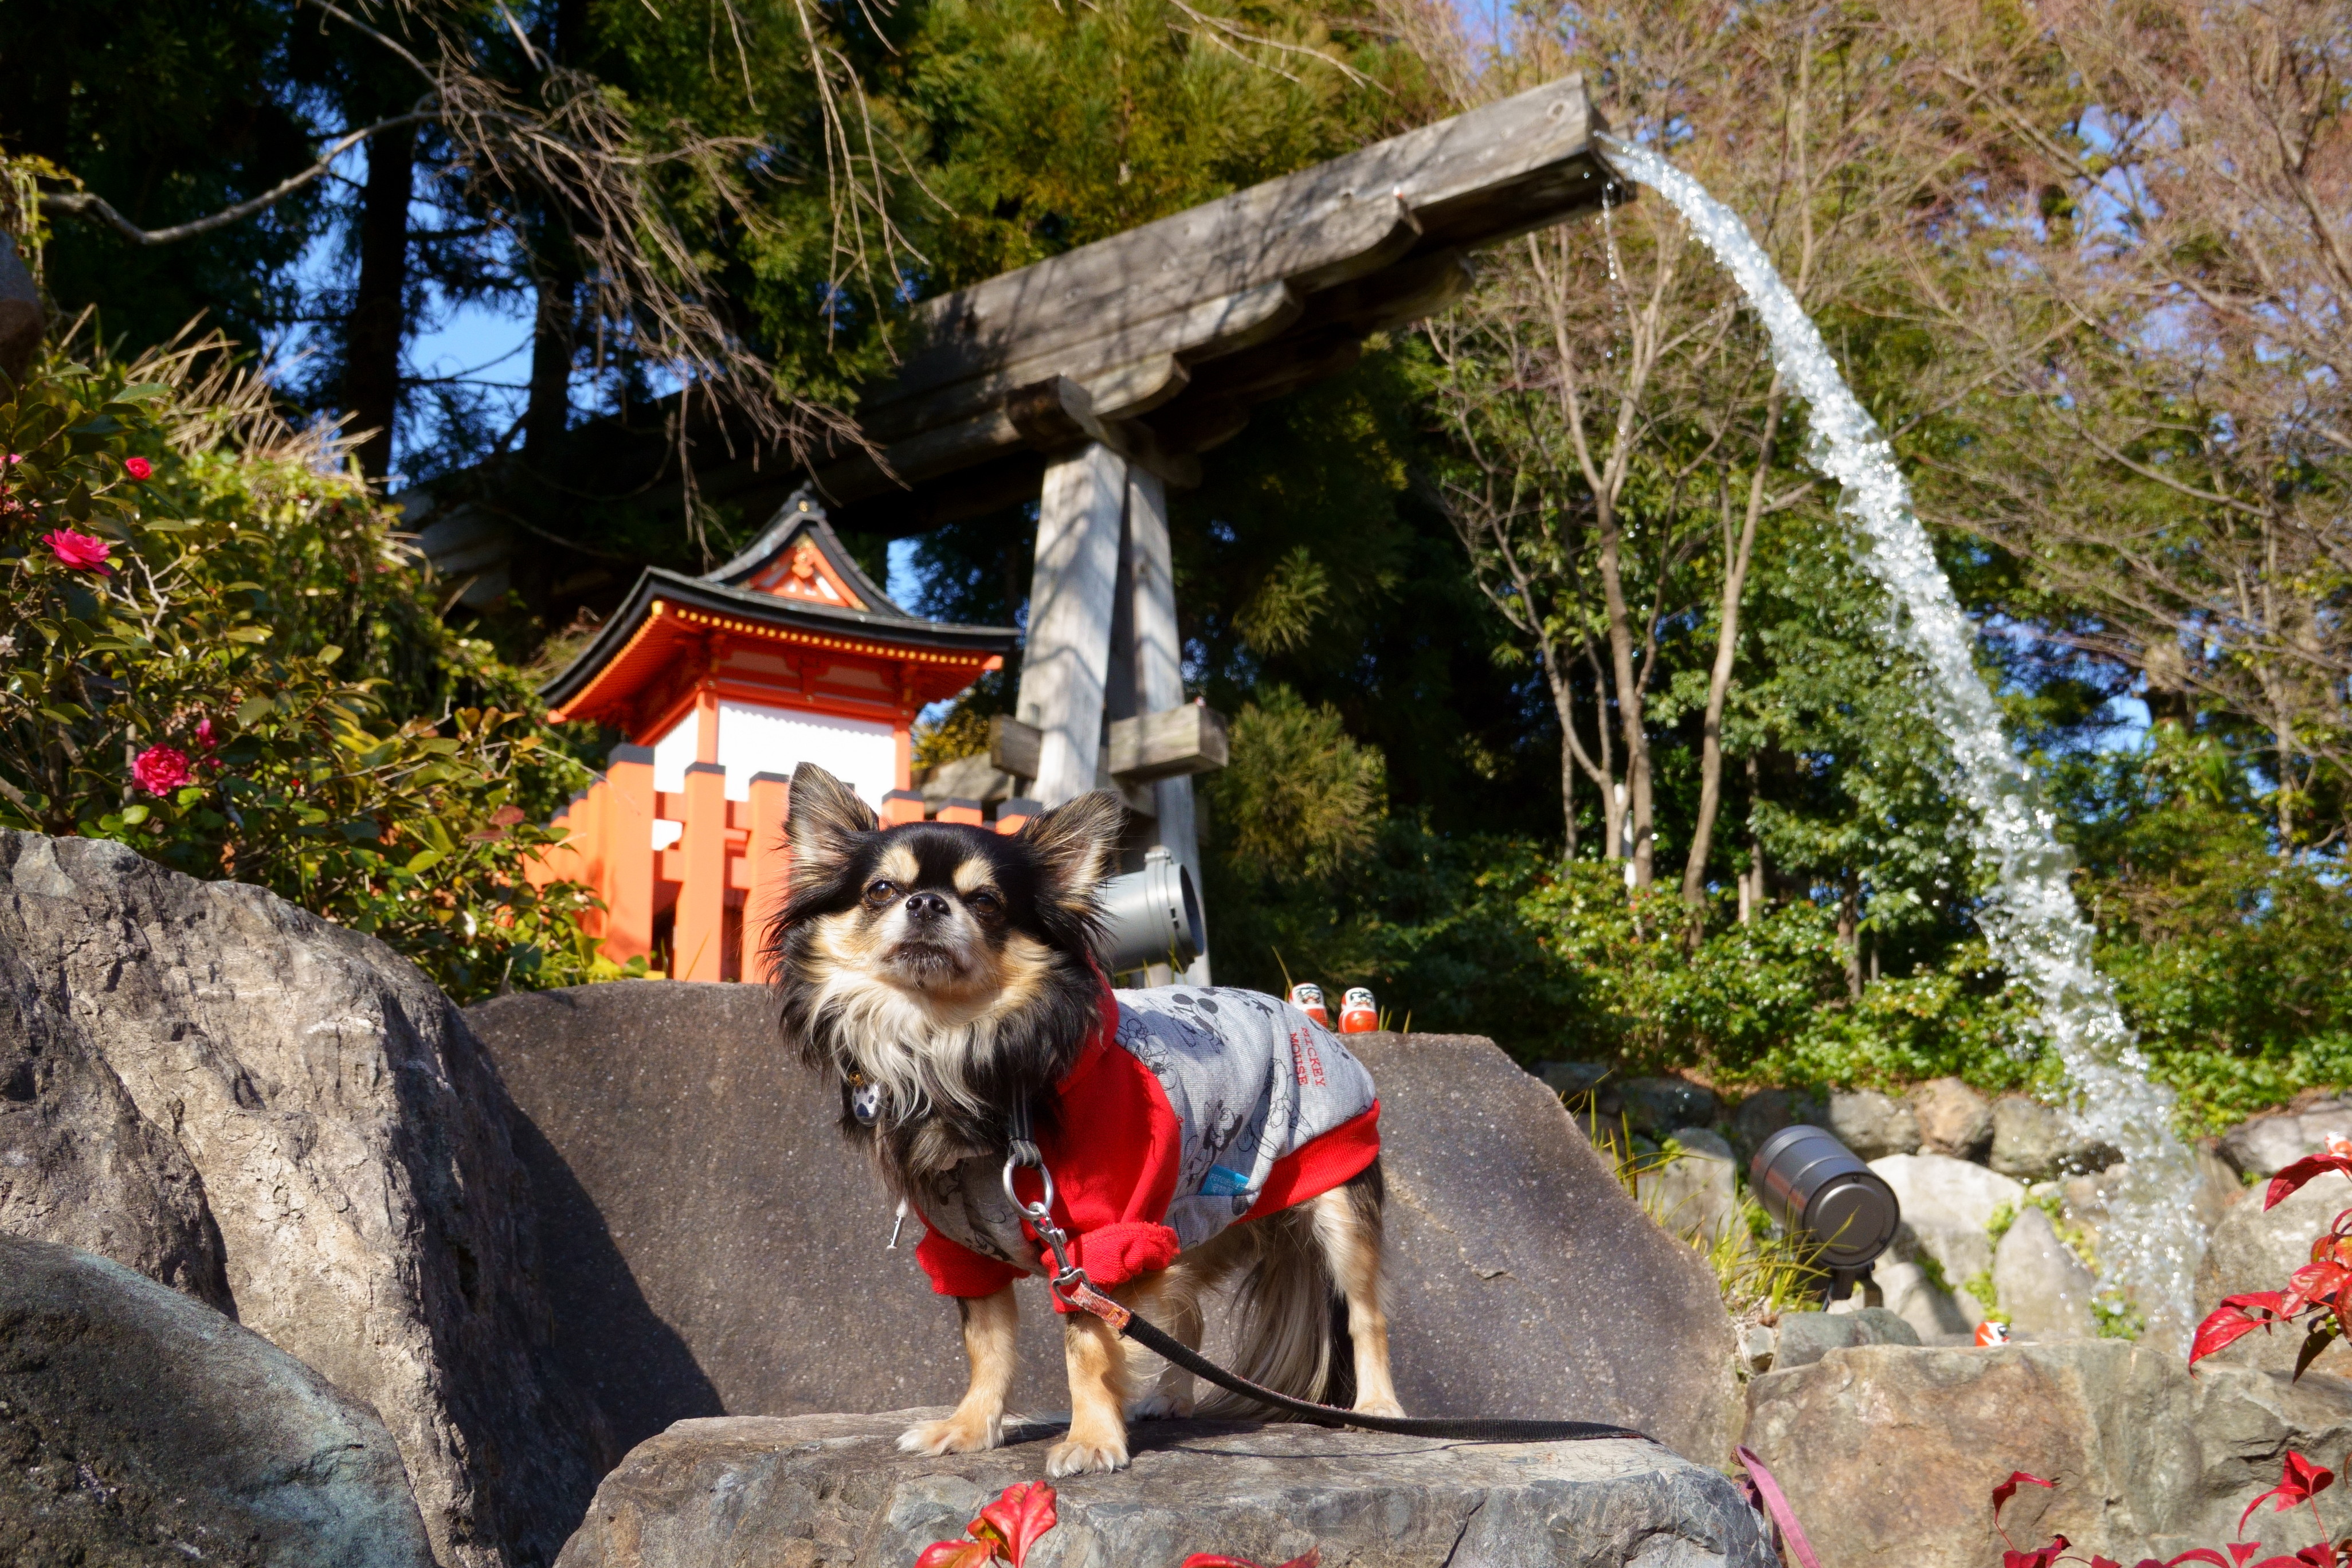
x: 1189, y: 1110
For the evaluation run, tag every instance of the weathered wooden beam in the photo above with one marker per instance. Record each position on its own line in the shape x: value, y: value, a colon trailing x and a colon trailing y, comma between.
x: 1175, y: 742
x: 1067, y: 658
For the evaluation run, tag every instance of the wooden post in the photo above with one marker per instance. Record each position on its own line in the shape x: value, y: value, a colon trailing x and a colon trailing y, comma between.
x: 901, y: 806
x: 1158, y: 663
x: 696, y: 934
x: 769, y: 856
x: 628, y: 844
x: 1016, y: 814
x: 1067, y: 660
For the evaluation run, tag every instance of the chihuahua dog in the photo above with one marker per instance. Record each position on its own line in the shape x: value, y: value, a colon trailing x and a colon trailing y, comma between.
x: 943, y: 977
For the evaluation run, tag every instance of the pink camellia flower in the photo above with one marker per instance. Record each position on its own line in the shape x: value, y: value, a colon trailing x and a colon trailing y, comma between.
x: 81, y: 551
x: 138, y: 468
x: 206, y: 737
x: 159, y: 769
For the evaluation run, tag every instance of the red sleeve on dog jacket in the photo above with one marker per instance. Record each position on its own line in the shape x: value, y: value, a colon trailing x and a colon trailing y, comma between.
x: 1109, y: 1193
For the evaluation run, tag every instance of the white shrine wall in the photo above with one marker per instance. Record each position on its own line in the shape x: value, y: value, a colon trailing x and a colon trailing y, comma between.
x: 860, y: 752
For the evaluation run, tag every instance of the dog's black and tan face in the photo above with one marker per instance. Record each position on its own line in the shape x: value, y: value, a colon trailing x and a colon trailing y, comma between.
x: 945, y: 964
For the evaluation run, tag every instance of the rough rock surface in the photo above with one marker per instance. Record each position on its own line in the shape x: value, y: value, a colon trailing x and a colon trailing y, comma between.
x: 1656, y: 1105
x: 829, y: 1490
x: 1874, y: 1125
x: 2265, y: 1145
x: 205, y: 1066
x: 1936, y: 1314
x: 1766, y: 1111
x: 708, y: 1230
x: 1800, y: 1339
x: 2034, y: 1143
x: 139, y: 1425
x: 1695, y: 1195
x: 1954, y: 1119
x: 1947, y: 1204
x: 1888, y: 1454
x: 2255, y: 1249
x: 2044, y: 1288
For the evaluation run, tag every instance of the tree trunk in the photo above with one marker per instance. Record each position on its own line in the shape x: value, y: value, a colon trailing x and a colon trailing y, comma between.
x: 1629, y: 702
x: 379, y: 319
x: 549, y: 411
x: 1751, y: 902
x: 1849, y: 933
x: 1735, y: 561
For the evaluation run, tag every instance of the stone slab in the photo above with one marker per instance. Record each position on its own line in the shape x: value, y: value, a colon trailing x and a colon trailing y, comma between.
x: 831, y: 1490
x: 713, y: 1247
x: 139, y: 1425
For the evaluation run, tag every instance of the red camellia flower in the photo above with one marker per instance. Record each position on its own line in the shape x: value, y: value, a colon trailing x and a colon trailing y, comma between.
x: 81, y: 551
x: 206, y: 737
x: 159, y: 769
x: 138, y: 468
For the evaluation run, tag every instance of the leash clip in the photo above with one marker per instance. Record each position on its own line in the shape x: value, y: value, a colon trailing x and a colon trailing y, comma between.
x: 1069, y: 1284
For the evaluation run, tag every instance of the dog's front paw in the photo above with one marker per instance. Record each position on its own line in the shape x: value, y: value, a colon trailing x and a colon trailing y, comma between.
x: 1158, y: 1405
x: 1073, y: 1457
x: 1387, y: 1407
x: 957, y: 1434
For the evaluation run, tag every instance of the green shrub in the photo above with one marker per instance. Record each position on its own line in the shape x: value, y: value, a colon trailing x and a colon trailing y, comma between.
x: 219, y: 655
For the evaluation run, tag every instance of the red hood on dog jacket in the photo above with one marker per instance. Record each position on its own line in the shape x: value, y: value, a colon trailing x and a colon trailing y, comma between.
x: 1188, y: 1109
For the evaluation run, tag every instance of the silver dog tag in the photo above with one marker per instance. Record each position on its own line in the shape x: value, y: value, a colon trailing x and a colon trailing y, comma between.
x: 865, y: 1103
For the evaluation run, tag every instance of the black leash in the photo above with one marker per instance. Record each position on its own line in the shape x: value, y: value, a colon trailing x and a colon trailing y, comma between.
x: 1072, y: 1287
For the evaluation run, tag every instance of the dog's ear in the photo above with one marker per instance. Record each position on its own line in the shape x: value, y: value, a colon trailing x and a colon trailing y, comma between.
x: 1077, y: 844
x: 826, y: 820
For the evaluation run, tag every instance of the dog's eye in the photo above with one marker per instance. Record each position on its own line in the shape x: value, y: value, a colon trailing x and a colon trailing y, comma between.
x: 986, y: 905
x: 881, y: 892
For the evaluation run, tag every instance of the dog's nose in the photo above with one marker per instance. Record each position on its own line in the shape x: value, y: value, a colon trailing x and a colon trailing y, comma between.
x: 922, y: 907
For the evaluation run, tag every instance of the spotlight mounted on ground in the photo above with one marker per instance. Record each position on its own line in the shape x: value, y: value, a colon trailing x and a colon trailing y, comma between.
x: 1151, y: 916
x: 1813, y: 1185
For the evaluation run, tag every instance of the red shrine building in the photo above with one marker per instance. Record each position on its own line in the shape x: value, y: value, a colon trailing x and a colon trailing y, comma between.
x: 723, y: 684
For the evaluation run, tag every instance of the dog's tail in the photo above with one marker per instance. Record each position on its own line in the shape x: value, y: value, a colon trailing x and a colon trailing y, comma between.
x: 1290, y: 1320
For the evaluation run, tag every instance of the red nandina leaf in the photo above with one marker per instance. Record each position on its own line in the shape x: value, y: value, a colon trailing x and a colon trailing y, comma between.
x: 1307, y: 1559
x: 2198, y: 1554
x: 2302, y: 1170
x: 1015, y: 1520
x: 2241, y: 1550
x: 956, y: 1555
x: 2233, y: 1319
x: 2099, y: 1561
x: 2300, y: 1480
x: 2042, y: 1557
x: 2008, y: 1490
x: 2314, y: 1284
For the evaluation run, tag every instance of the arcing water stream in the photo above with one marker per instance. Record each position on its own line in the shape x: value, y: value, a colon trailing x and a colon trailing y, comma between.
x: 2150, y: 1242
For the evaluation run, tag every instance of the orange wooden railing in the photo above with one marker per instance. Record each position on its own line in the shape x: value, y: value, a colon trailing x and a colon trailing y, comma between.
x: 718, y: 888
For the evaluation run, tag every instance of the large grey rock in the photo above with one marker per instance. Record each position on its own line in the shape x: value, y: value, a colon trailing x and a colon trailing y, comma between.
x: 139, y: 1425
x: 1888, y: 1454
x: 1954, y: 1119
x: 1766, y: 1111
x: 2034, y: 1143
x: 1694, y: 1193
x: 1947, y: 1205
x: 829, y: 1490
x: 217, y: 1069
x: 1874, y: 1125
x: 1800, y: 1339
x: 1657, y: 1105
x: 2044, y: 1288
x: 708, y: 1230
x: 2267, y: 1145
x: 2255, y: 1249
x: 1937, y: 1313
